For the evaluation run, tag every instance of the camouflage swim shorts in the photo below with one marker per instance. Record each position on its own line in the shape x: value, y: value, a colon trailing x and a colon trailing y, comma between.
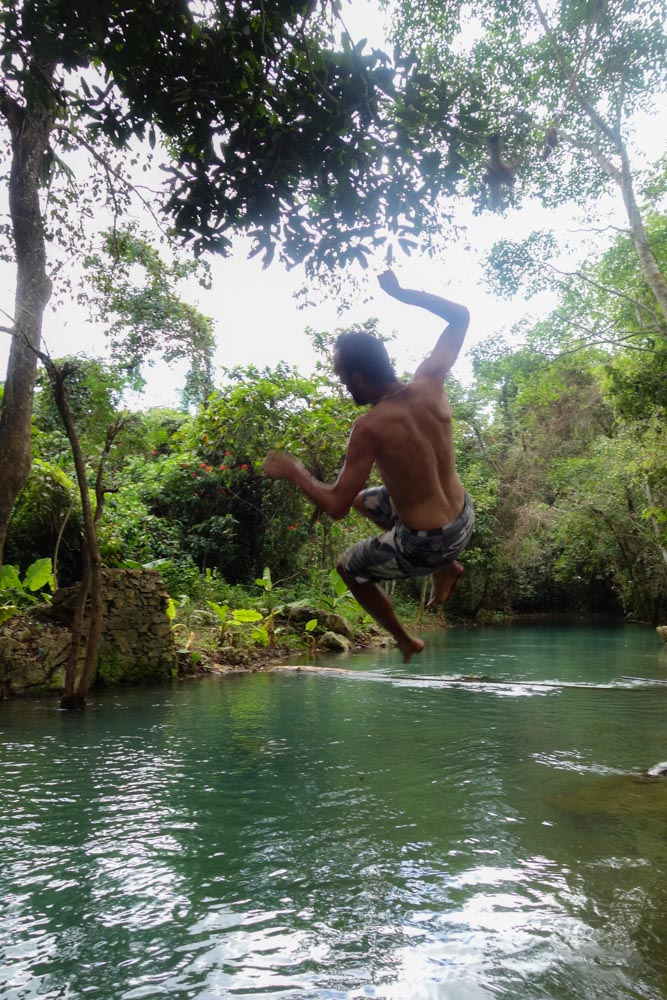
x: 400, y: 552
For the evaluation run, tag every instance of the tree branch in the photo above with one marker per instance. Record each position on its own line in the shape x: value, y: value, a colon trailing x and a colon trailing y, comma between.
x: 12, y: 111
x: 571, y: 76
x: 111, y: 172
x: 596, y: 153
x: 640, y: 306
x: 602, y: 229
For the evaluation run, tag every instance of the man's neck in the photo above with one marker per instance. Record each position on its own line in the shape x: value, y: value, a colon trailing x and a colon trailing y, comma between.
x: 389, y: 390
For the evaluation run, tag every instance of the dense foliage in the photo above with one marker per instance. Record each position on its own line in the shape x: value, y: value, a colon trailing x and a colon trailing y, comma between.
x: 561, y: 445
x: 275, y: 123
x: 269, y: 119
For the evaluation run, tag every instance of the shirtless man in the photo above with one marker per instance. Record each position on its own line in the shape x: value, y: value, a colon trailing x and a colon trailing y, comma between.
x: 426, y: 515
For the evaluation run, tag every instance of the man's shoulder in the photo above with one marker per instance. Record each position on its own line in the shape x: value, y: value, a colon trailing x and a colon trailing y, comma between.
x: 367, y: 428
x: 428, y: 388
x: 364, y: 424
x: 424, y: 382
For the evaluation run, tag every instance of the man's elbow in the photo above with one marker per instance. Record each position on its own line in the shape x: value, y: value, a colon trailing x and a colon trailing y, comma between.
x: 337, y: 510
x: 461, y: 320
x: 338, y: 504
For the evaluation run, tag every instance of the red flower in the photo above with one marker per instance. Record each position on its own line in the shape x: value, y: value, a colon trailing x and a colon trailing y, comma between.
x: 227, y: 453
x: 222, y: 468
x: 242, y: 467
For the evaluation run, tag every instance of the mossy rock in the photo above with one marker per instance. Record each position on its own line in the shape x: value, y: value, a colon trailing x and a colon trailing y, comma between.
x: 114, y: 670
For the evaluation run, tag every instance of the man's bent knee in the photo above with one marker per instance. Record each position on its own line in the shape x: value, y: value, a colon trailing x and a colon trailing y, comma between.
x: 342, y: 571
x: 359, y: 504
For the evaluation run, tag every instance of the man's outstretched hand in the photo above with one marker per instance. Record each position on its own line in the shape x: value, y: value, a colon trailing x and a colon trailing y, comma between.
x: 389, y: 283
x: 278, y: 465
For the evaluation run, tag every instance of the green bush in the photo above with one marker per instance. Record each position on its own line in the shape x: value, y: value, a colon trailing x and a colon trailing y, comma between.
x: 130, y: 535
x: 17, y: 593
x: 44, y: 502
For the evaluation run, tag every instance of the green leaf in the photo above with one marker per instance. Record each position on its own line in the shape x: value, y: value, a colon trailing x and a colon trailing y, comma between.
x: 10, y: 579
x: 260, y: 636
x: 265, y: 581
x: 221, y: 610
x: 38, y: 574
x: 158, y: 563
x: 246, y: 615
x: 337, y: 582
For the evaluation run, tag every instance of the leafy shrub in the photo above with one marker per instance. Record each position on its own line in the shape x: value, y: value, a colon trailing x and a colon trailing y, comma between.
x: 130, y: 535
x: 44, y: 502
x: 17, y: 593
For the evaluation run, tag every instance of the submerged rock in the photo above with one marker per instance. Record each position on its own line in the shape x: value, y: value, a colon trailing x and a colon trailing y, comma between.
x: 641, y: 794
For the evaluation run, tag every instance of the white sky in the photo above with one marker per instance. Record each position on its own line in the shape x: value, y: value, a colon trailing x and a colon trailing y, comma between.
x: 257, y: 320
x: 256, y: 317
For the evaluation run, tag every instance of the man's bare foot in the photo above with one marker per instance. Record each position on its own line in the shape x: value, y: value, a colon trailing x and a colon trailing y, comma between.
x: 410, y: 647
x: 445, y: 582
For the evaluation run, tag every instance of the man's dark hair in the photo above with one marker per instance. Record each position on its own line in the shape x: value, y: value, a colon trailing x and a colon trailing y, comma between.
x: 364, y: 353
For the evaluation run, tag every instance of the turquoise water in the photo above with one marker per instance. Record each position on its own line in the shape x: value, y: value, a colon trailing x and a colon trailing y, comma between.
x: 473, y: 825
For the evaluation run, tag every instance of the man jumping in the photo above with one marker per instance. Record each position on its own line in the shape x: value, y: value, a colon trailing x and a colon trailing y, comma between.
x: 426, y: 516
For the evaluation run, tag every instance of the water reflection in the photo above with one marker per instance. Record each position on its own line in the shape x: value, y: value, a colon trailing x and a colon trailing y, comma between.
x: 299, y: 837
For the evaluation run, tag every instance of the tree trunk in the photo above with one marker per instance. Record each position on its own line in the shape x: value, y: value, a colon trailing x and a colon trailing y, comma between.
x: 94, y: 561
x: 623, y: 177
x: 649, y: 265
x: 69, y: 699
x: 94, y: 628
x: 30, y: 128
x: 655, y: 525
x: 92, y: 576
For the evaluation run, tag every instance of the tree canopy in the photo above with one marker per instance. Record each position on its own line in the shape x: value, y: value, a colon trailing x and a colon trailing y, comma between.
x: 273, y: 121
x: 561, y: 86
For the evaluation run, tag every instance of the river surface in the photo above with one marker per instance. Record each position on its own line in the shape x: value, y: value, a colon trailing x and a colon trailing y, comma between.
x: 473, y: 825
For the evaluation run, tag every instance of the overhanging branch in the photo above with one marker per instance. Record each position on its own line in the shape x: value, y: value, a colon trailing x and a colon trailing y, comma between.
x: 111, y: 172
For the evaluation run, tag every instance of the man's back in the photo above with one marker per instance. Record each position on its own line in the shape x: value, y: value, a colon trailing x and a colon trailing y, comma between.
x: 411, y: 433
x: 407, y: 434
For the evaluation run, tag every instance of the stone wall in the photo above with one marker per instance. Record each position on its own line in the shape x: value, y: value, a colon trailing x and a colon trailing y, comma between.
x: 137, y: 643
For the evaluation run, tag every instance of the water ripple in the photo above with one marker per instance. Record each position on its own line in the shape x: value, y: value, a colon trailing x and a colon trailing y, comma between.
x: 285, y: 836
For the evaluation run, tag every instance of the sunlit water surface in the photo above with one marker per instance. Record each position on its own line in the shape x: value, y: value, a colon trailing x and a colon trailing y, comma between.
x: 473, y: 825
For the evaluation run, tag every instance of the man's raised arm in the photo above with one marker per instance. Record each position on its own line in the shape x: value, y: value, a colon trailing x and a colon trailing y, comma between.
x: 447, y: 348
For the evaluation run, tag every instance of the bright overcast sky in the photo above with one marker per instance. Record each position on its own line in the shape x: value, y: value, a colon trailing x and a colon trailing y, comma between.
x: 257, y: 320
x: 256, y: 317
